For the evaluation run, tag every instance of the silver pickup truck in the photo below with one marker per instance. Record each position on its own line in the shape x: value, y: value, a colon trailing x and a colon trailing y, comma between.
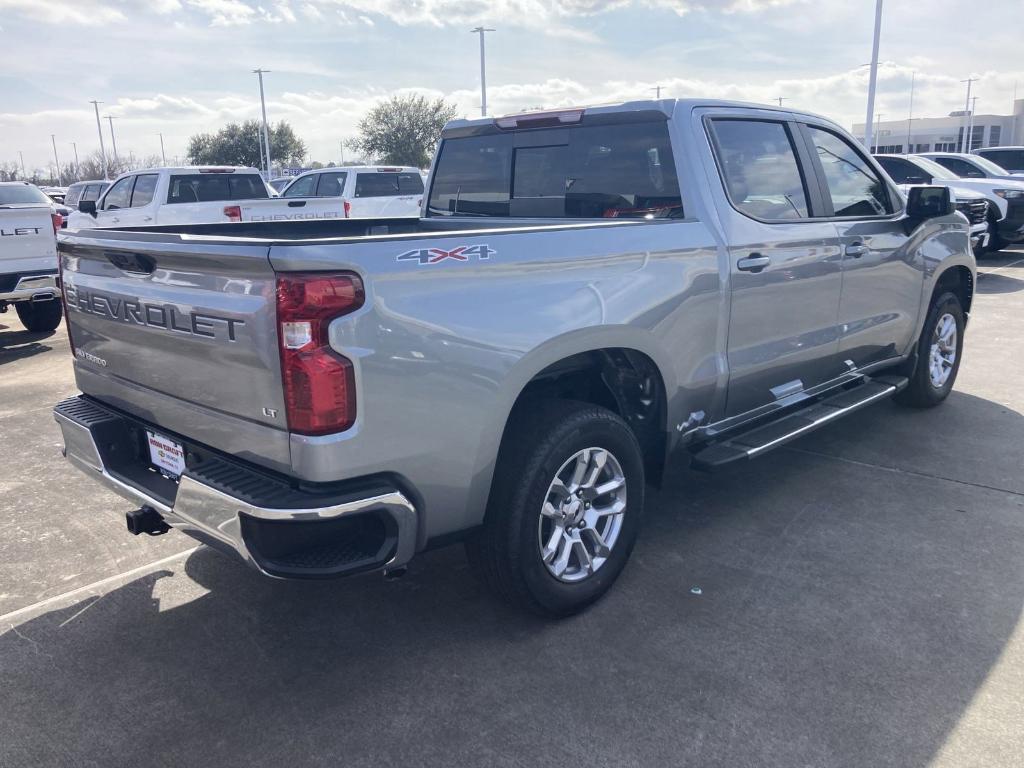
x: 592, y: 299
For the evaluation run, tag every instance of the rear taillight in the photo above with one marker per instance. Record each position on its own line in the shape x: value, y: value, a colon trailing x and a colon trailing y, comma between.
x: 64, y: 304
x: 58, y: 221
x: 319, y: 384
x: 348, y: 209
x: 233, y: 212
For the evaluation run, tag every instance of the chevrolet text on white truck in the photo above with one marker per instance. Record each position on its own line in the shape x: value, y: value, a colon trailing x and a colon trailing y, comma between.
x: 592, y: 299
x: 28, y: 255
x: 195, y: 195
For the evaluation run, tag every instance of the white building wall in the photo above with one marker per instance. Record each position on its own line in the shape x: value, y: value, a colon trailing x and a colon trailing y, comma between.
x: 943, y: 134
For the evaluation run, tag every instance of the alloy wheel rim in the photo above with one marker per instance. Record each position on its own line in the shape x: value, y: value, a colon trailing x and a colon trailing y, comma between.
x: 942, y: 354
x: 582, y: 515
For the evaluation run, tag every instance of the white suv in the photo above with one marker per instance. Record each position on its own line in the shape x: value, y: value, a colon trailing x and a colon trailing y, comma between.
x: 366, y: 191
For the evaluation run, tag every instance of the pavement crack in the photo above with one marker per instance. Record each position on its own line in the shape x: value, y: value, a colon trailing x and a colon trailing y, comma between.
x: 901, y: 471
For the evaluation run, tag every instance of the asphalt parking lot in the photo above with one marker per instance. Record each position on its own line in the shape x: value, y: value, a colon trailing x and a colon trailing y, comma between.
x: 854, y: 599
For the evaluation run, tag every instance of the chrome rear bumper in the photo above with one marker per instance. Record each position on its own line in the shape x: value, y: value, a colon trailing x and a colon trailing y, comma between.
x: 303, y: 535
x: 33, y: 288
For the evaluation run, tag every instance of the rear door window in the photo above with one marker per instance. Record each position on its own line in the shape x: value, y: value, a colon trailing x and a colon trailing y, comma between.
x: 120, y: 195
x: 961, y: 168
x: 304, y: 187
x: 331, y: 184
x: 760, y: 170
x: 145, y: 186
x: 73, y: 195
x: 376, y: 185
x: 93, y: 191
x: 903, y: 171
x: 600, y: 171
x: 854, y: 186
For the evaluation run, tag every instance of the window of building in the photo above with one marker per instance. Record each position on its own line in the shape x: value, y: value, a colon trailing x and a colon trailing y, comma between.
x: 995, y: 135
x: 919, y: 148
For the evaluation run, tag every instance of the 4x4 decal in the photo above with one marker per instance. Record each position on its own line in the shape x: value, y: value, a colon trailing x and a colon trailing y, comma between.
x: 435, y: 255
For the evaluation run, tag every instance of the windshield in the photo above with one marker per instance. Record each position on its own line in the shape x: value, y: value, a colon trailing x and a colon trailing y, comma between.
x: 934, y: 169
x: 22, y: 193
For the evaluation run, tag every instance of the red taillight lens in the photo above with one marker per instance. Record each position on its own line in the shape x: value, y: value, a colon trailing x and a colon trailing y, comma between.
x: 319, y: 384
x: 233, y: 212
x: 348, y: 209
x: 57, y: 220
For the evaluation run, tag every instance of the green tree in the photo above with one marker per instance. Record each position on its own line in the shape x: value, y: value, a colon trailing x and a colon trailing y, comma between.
x: 239, y: 144
x: 403, y: 130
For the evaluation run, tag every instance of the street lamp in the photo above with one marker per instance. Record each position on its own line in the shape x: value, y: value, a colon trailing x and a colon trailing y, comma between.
x: 99, y: 130
x: 163, y: 155
x: 873, y: 78
x: 263, y: 106
x: 56, y: 162
x: 910, y: 114
x: 483, y: 70
x: 967, y: 111
x: 113, y: 141
x: 78, y: 165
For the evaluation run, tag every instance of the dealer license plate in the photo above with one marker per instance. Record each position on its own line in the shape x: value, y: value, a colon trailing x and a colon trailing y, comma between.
x: 166, y: 454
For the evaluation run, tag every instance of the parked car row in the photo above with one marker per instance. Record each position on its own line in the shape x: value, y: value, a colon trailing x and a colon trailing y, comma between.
x: 968, y: 176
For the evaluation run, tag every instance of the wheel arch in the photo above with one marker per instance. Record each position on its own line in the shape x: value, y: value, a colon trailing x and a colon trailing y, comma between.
x: 957, y: 279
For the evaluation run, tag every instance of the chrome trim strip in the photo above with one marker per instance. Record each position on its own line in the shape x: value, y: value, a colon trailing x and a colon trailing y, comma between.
x: 32, y: 286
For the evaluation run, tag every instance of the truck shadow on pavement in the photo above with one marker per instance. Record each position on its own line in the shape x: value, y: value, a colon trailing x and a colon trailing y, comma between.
x: 17, y: 345
x: 836, y: 603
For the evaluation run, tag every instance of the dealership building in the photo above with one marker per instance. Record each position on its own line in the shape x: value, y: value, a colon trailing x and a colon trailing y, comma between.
x: 945, y: 134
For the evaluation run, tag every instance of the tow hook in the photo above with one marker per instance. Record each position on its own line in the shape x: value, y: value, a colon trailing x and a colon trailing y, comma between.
x: 146, y: 520
x: 394, y: 574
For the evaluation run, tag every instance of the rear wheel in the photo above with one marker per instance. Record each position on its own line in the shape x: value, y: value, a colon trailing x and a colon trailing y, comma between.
x: 938, y: 354
x: 39, y: 316
x: 565, y: 508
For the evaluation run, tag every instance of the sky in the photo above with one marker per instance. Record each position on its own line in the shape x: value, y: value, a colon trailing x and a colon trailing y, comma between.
x: 182, y: 67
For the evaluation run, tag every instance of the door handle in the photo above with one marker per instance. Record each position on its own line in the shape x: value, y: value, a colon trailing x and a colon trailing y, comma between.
x: 856, y: 250
x: 148, y: 218
x: 755, y: 262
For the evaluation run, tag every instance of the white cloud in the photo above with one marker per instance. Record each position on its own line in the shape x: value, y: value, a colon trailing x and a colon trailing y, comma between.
x: 63, y: 12
x: 226, y: 13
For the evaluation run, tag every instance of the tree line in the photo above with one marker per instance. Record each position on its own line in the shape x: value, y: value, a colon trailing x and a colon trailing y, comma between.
x: 402, y: 130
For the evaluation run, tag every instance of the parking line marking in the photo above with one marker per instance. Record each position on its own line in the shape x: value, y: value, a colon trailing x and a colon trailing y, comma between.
x: 1000, y: 269
x: 97, y: 584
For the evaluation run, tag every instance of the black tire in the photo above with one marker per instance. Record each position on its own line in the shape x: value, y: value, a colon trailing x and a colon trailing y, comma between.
x: 995, y: 242
x: 40, y: 316
x: 542, y: 438
x: 922, y: 392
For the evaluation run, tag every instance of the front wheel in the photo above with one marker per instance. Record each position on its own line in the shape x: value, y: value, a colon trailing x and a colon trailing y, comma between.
x: 565, y: 508
x: 39, y: 316
x: 938, y: 354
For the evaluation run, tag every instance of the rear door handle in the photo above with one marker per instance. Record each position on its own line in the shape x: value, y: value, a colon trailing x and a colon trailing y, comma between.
x: 856, y: 250
x: 755, y: 262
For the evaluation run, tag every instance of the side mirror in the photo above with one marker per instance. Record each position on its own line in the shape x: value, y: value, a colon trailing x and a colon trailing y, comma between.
x: 929, y: 203
x: 87, y: 206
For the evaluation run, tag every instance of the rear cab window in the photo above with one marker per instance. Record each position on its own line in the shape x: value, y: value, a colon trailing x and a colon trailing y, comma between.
x: 23, y: 194
x: 215, y: 187
x: 620, y: 170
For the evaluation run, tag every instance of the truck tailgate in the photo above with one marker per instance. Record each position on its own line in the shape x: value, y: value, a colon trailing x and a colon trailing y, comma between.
x: 292, y: 209
x: 27, y: 242
x: 186, y: 341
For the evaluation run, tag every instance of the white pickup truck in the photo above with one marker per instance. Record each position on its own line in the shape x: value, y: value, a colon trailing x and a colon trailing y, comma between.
x: 28, y: 255
x: 365, y: 192
x: 195, y: 195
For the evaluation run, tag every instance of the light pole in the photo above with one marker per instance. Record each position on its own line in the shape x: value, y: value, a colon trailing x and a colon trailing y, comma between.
x: 56, y: 162
x: 77, y: 164
x: 483, y: 70
x: 657, y: 91
x: 873, y: 78
x: 163, y: 155
x: 113, y: 141
x: 263, y: 106
x: 780, y: 99
x: 341, y: 145
x: 878, y: 127
x: 910, y: 114
x: 99, y: 130
x: 24, y: 173
x: 970, y: 123
x: 967, y: 111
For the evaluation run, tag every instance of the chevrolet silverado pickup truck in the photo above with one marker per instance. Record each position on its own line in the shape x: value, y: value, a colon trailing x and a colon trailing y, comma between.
x: 591, y: 300
x: 28, y: 255
x: 194, y: 195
